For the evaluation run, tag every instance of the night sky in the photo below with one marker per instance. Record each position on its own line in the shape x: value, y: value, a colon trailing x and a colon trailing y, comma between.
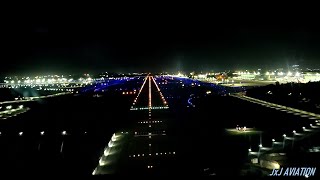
x: 133, y: 41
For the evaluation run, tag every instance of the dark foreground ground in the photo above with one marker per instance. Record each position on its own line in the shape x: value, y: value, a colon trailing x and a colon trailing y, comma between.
x: 201, y: 142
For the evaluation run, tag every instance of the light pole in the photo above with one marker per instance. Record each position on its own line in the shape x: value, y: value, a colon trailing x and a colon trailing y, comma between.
x: 41, y: 133
x: 260, y: 138
x: 284, y: 139
x: 273, y: 140
x: 260, y: 146
x: 294, y: 133
x: 63, y: 134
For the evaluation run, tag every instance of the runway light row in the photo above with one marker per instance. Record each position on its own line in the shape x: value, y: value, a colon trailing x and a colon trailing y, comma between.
x: 9, y: 112
x: 129, y: 92
x: 136, y: 99
x: 108, y: 150
x: 153, y: 134
x: 145, y: 108
x: 149, y: 104
x: 146, y: 122
x: 150, y: 133
x: 162, y: 97
x: 294, y: 132
x: 152, y: 154
x: 43, y: 133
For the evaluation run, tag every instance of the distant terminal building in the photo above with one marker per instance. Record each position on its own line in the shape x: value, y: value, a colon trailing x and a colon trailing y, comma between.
x: 246, y: 75
x: 271, y: 75
x: 278, y: 75
x: 211, y: 76
x: 311, y: 76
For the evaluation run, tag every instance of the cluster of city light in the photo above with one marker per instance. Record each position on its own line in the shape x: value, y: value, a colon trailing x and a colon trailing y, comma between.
x: 120, y: 78
x: 42, y: 86
x: 148, y: 122
x: 297, y: 74
x: 247, y: 72
x: 152, y: 154
x: 46, y: 80
x: 40, y: 81
x: 39, y: 77
x: 269, y: 73
x: 55, y: 89
x: 272, y: 73
x: 179, y: 74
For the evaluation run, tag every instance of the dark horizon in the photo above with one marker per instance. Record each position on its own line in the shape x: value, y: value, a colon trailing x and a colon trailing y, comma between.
x: 65, y: 45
